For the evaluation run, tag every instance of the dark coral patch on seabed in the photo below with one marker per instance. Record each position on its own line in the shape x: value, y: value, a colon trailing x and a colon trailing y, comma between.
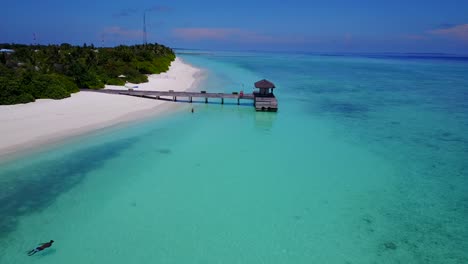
x: 29, y: 193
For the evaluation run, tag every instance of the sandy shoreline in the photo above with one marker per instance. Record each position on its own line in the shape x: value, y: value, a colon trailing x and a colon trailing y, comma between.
x: 28, y: 126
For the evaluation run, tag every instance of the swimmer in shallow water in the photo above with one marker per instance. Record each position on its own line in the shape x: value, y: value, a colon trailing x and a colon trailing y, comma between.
x: 41, y: 247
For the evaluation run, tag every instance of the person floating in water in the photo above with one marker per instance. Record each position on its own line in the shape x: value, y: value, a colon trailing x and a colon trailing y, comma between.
x: 192, y: 110
x: 41, y: 247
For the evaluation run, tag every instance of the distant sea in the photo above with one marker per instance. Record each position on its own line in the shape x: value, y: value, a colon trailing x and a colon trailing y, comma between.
x: 366, y: 161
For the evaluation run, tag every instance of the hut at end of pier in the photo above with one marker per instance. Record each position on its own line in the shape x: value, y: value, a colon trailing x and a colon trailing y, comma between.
x: 265, y: 100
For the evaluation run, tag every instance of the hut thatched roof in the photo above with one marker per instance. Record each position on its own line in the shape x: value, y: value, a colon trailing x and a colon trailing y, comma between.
x: 264, y: 84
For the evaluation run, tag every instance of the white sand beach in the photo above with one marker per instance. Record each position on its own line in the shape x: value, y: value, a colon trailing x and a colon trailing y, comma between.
x: 26, y: 126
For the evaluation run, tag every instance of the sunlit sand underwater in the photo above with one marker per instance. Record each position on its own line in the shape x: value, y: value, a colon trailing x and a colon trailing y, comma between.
x: 365, y: 162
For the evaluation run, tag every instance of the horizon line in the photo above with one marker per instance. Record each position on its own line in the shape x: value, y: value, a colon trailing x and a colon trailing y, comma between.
x: 446, y: 54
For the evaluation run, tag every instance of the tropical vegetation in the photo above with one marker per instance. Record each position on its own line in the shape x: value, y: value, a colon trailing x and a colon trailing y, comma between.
x: 29, y: 72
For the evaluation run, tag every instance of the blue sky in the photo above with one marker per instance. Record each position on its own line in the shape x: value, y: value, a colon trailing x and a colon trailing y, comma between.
x: 316, y: 26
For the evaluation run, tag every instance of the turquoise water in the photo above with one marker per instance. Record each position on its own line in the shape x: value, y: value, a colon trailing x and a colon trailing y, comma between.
x: 366, y: 162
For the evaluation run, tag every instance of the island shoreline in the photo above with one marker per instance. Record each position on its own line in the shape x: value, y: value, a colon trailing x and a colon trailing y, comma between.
x: 125, y: 110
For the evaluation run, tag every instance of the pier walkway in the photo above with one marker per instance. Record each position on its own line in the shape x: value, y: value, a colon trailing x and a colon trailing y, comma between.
x: 264, y: 100
x: 174, y: 95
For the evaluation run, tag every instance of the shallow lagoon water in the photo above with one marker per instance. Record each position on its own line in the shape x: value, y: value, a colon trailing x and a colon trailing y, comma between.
x: 365, y: 162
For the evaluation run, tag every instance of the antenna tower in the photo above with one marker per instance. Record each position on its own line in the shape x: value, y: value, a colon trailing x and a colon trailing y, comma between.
x: 144, y: 29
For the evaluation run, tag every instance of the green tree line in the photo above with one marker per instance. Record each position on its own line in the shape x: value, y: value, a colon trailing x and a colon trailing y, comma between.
x: 55, y: 71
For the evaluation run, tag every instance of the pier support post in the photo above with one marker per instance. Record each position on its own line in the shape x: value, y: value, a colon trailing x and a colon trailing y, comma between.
x: 190, y: 99
x: 222, y: 100
x: 175, y: 98
x: 206, y: 100
x: 238, y: 101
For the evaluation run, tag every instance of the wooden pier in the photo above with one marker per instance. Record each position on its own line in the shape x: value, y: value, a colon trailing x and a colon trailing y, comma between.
x: 262, y: 101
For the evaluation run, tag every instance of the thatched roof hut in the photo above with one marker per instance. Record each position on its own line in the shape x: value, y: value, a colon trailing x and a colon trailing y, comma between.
x: 264, y: 84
